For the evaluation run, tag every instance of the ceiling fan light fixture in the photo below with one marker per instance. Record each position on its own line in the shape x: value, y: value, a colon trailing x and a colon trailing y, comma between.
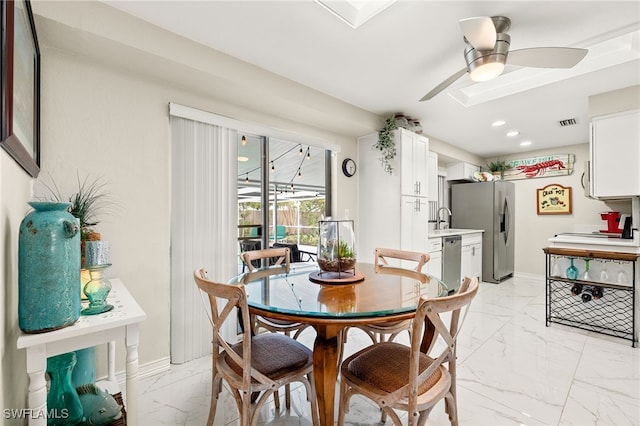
x: 486, y: 72
x: 484, y: 65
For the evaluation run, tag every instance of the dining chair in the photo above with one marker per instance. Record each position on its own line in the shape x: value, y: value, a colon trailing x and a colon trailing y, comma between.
x: 408, y: 264
x: 399, y: 377
x: 256, y: 365
x: 280, y: 256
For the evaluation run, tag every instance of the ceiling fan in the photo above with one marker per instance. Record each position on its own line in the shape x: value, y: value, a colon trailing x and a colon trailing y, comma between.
x: 488, y: 48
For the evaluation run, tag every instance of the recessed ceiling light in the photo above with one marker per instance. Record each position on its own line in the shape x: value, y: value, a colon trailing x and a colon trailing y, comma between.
x: 513, y: 133
x: 498, y: 123
x: 525, y: 143
x: 243, y: 159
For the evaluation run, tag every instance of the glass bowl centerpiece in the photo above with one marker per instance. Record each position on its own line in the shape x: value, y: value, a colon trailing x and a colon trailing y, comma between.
x: 336, y: 246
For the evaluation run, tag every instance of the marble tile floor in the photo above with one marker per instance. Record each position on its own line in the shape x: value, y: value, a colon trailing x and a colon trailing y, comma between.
x: 512, y: 370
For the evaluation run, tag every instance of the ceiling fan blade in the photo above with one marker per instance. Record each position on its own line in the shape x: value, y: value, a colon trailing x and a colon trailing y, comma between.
x: 479, y: 31
x: 547, y: 57
x: 440, y: 87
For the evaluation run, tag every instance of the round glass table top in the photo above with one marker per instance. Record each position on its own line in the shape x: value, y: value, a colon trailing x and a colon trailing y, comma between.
x: 379, y: 294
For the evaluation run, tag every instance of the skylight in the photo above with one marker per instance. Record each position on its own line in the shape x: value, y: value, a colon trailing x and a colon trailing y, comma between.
x: 354, y: 12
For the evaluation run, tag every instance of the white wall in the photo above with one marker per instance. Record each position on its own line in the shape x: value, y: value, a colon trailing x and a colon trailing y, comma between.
x: 107, y: 80
x: 15, y: 191
x: 532, y: 230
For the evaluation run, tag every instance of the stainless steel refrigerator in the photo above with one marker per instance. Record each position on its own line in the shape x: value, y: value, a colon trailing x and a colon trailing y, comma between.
x: 488, y: 206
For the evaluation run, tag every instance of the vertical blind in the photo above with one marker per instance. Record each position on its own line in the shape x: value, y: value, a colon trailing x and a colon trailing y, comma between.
x: 203, y: 227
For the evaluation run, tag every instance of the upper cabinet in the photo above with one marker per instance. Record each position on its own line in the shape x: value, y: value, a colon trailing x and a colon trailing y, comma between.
x: 414, y: 151
x: 392, y: 208
x: 461, y: 171
x: 432, y: 170
x: 615, y: 155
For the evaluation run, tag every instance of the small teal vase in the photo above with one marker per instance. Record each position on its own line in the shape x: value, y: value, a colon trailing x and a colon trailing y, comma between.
x: 63, y: 403
x: 48, y: 268
x: 572, y: 271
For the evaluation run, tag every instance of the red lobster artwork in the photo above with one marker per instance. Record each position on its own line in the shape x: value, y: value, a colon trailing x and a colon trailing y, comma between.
x: 533, y: 170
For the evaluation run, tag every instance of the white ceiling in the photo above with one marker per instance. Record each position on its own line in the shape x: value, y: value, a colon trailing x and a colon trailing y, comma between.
x: 389, y: 62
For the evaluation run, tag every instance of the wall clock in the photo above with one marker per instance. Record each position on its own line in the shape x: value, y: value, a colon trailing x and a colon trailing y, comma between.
x: 348, y: 167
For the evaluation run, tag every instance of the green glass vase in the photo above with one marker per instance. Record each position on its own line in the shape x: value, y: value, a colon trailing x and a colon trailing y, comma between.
x: 97, y: 290
x: 63, y: 403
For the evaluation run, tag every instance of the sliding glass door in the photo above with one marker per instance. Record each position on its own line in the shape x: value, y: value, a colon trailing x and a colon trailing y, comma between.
x: 282, y: 193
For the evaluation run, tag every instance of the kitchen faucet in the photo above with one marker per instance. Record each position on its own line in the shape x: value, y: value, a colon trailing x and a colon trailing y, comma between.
x: 438, y: 221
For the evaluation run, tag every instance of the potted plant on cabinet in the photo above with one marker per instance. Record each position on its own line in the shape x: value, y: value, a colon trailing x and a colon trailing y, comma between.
x: 498, y: 167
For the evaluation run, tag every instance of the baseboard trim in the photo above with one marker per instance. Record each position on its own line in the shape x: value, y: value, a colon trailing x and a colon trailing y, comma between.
x: 144, y: 370
x: 529, y: 276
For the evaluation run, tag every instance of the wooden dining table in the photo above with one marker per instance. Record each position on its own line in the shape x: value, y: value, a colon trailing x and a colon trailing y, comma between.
x: 329, y: 308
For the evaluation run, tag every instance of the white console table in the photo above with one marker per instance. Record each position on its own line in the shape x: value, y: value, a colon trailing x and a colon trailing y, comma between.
x: 121, y: 323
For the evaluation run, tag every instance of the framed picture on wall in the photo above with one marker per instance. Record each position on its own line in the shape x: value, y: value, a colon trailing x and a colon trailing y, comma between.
x: 20, y: 85
x: 554, y: 199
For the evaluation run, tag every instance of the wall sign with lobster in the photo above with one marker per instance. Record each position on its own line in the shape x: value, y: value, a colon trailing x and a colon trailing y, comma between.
x: 550, y: 165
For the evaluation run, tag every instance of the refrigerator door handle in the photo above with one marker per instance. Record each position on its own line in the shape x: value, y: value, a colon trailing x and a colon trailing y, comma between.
x: 505, y: 219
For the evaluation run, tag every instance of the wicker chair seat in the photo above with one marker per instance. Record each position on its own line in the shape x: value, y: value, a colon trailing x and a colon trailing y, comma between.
x: 385, y: 367
x: 273, y: 355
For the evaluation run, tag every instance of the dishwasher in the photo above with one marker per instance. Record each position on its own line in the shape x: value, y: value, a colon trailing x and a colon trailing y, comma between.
x: 451, y: 257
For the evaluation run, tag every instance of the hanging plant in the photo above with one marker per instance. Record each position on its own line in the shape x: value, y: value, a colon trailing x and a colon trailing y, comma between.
x: 386, y: 145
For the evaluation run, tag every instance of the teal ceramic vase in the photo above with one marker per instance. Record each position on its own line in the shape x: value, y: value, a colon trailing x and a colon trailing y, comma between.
x: 48, y: 268
x: 63, y: 403
x: 85, y: 370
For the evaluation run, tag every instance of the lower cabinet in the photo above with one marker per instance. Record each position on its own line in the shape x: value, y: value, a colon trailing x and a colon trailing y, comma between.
x: 592, y: 290
x: 434, y: 265
x: 471, y: 262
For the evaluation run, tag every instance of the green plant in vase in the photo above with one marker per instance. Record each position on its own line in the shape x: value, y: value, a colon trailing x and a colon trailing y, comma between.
x: 498, y: 167
x: 90, y: 200
x: 336, y: 256
x: 88, y: 203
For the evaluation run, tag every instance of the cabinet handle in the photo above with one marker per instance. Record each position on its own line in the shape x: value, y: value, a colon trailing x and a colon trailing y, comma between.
x: 473, y: 251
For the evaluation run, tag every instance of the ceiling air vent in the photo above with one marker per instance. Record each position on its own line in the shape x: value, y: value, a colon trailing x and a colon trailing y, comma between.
x: 567, y: 122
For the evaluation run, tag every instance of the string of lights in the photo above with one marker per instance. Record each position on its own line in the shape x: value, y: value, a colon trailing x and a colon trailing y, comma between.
x: 298, y: 173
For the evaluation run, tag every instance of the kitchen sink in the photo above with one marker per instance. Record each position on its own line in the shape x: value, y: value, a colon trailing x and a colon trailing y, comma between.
x: 448, y: 231
x: 451, y: 231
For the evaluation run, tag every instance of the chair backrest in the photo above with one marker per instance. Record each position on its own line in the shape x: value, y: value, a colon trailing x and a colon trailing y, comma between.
x: 281, y: 232
x: 225, y: 299
x: 422, y: 340
x: 277, y: 256
x: 383, y: 255
x: 294, y: 251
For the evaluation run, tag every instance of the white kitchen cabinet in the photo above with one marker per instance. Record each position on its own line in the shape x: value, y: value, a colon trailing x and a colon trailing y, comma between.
x: 615, y: 155
x: 432, y: 170
x: 414, y: 216
x: 471, y: 262
x: 434, y: 265
x: 386, y: 218
x: 461, y: 171
x: 414, y: 152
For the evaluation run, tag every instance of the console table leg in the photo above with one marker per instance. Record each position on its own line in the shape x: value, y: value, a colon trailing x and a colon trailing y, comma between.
x: 111, y: 361
x: 36, y: 369
x: 131, y: 341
